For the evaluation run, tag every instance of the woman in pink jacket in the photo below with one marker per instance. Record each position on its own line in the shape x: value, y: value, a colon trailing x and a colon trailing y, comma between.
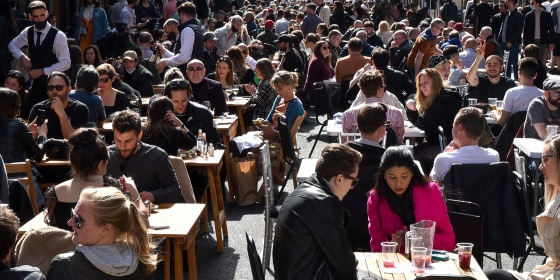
x: 403, y: 196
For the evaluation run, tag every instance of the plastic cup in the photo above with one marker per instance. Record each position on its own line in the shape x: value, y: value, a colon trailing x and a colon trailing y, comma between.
x: 464, y: 250
x: 388, y: 251
x: 418, y: 257
x: 472, y: 101
x: 551, y: 130
x: 492, y: 102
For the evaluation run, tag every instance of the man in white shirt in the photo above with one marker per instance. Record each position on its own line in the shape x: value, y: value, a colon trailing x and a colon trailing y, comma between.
x: 47, y: 48
x: 467, y: 129
x: 517, y: 99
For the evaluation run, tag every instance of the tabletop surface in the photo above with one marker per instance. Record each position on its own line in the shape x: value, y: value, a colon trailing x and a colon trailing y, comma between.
x: 370, y: 266
x: 201, y: 161
x: 334, y: 128
x: 238, y: 101
x: 530, y: 146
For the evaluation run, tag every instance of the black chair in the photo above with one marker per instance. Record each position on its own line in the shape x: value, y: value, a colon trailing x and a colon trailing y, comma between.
x: 492, y: 187
x: 288, y: 153
x: 442, y: 139
x: 508, y: 132
x: 322, y: 108
x: 534, y: 242
x: 444, y: 277
x: 254, y: 258
x: 467, y: 221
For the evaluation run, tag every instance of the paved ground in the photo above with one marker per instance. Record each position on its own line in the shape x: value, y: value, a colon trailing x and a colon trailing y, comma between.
x: 234, y: 262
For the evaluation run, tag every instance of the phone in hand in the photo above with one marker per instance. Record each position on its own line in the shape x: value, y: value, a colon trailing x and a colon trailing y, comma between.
x: 41, y: 116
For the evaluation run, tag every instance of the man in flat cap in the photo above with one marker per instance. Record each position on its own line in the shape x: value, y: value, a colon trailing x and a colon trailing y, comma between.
x: 210, y: 57
x: 543, y: 110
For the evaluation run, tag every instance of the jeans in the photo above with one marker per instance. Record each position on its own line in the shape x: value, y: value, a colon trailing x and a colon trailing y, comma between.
x: 513, y: 60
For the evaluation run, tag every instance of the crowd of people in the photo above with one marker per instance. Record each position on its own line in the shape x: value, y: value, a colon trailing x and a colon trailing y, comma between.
x: 394, y: 63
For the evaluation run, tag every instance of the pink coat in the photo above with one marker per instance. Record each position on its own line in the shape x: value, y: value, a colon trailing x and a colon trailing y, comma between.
x: 428, y: 205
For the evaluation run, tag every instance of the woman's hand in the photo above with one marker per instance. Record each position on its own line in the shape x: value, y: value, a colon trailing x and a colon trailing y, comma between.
x: 398, y: 237
x: 250, y: 88
x: 411, y: 104
x: 173, y: 119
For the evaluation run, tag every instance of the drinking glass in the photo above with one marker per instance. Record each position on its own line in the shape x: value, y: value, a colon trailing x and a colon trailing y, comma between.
x: 465, y: 252
x: 229, y: 90
x: 551, y: 130
x: 500, y: 106
x: 472, y: 101
x: 492, y: 103
x: 388, y: 250
x: 418, y: 258
x: 235, y: 90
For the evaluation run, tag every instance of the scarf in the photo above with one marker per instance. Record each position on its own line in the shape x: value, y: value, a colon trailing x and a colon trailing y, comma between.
x: 115, y: 259
x: 402, y: 206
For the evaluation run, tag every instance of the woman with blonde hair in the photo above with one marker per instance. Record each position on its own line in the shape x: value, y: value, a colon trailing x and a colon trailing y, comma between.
x: 384, y: 31
x: 432, y: 107
x: 111, y: 239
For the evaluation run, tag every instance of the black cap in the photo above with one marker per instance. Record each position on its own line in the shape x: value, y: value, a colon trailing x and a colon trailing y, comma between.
x: 283, y: 38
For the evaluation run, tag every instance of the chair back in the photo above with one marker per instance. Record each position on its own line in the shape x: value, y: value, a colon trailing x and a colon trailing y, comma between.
x: 508, y: 132
x: 467, y: 221
x: 296, y: 126
x: 254, y: 258
x: 24, y: 167
x: 288, y: 151
x: 442, y: 139
x: 184, y: 179
x: 491, y: 186
x: 322, y: 102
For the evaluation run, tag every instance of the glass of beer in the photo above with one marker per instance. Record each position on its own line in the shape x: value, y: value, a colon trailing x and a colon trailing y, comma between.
x: 500, y: 106
x: 492, y: 103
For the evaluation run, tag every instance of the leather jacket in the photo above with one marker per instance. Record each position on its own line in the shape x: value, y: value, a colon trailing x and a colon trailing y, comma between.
x: 310, y: 240
x: 17, y: 143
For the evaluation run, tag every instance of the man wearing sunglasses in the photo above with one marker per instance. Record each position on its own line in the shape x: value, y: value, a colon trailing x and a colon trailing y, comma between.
x: 310, y: 240
x: 205, y: 89
x: 543, y: 110
x: 63, y: 114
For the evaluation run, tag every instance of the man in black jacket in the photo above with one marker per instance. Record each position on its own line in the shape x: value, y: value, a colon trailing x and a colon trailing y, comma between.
x: 510, y: 37
x: 136, y: 75
x: 310, y: 240
x: 539, y: 33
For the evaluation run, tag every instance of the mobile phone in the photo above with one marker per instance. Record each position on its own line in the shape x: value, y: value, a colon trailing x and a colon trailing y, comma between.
x: 41, y: 116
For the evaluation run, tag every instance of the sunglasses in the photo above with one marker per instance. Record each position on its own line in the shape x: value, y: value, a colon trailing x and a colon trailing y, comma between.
x: 77, y: 219
x: 104, y: 80
x: 325, y: 48
x: 224, y: 58
x: 57, y: 87
x: 197, y: 69
x: 354, y: 179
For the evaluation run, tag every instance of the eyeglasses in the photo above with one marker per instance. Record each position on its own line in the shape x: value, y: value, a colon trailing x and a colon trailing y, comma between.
x: 104, y: 80
x: 197, y: 69
x: 57, y: 87
x: 77, y: 219
x: 555, y: 93
x: 354, y: 179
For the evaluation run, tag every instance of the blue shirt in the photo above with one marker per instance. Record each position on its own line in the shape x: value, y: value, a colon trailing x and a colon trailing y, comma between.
x: 94, y: 104
x: 294, y: 109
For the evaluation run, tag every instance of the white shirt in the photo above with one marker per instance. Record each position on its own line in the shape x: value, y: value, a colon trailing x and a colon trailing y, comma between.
x: 59, y: 48
x: 517, y: 99
x: 466, y: 154
x: 251, y: 61
x: 281, y: 25
x: 128, y: 16
x: 185, y: 53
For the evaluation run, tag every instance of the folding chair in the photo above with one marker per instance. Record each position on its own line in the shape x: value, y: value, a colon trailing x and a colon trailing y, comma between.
x: 24, y: 167
x: 322, y: 108
x: 467, y: 221
x: 535, y: 243
x: 254, y: 259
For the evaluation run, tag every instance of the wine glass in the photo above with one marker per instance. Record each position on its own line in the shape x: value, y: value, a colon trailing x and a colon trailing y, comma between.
x: 235, y: 90
x: 229, y: 90
x: 208, y: 105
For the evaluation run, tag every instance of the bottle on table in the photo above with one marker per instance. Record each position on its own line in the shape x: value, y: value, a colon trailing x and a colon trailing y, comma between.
x: 199, y: 143
x: 204, y: 146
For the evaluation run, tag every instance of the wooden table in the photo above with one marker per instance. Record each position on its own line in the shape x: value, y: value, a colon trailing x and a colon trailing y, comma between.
x: 370, y: 265
x: 182, y: 233
x: 240, y: 104
x: 53, y: 162
x: 213, y: 165
x: 227, y: 127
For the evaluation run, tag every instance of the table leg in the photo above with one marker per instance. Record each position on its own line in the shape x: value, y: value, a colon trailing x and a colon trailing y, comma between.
x: 217, y: 207
x: 232, y: 185
x: 166, y: 259
x: 191, y: 255
x: 178, y: 260
x: 240, y: 112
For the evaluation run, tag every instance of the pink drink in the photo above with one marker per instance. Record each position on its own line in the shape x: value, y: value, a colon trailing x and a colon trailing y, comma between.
x: 390, y: 263
x: 464, y: 260
x: 419, y: 262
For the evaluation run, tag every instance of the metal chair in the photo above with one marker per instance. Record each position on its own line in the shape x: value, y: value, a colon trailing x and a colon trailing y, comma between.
x: 254, y: 259
x: 535, y: 243
x: 322, y: 108
x: 442, y: 139
x: 24, y: 167
x: 289, y: 155
x: 270, y: 209
x: 467, y: 221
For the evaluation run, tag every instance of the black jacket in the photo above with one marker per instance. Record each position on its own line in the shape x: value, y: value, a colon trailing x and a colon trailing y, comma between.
x: 310, y: 240
x: 399, y: 84
x: 210, y: 90
x: 140, y: 80
x: 547, y: 28
x: 513, y: 28
x: 199, y: 117
x: 17, y: 143
x: 441, y: 113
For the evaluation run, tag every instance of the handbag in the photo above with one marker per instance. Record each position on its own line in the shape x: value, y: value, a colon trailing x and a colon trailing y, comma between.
x: 83, y: 31
x: 56, y: 148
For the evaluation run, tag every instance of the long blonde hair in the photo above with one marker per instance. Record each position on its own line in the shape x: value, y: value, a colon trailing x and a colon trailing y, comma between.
x: 424, y: 102
x: 110, y: 206
x: 550, y: 191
